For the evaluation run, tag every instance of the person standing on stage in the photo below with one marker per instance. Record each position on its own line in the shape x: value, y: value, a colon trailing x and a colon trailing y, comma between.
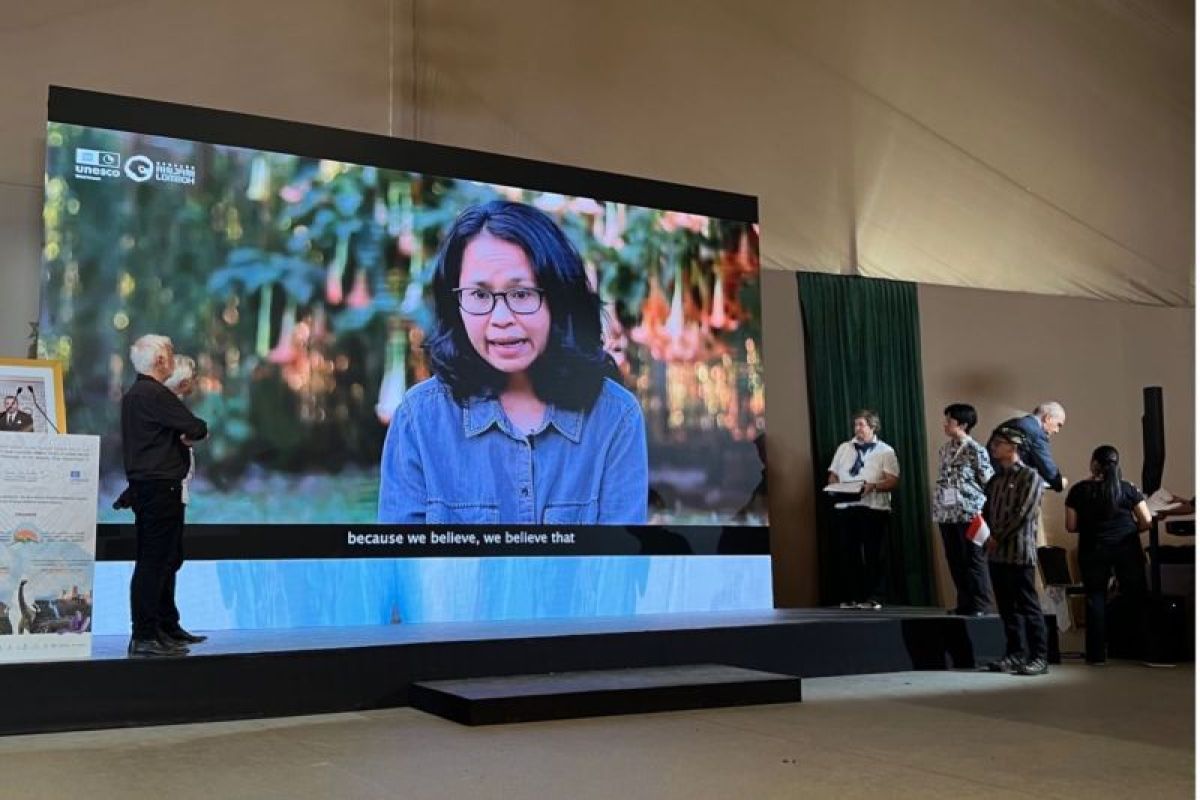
x: 157, y: 431
x: 963, y: 471
x: 862, y: 524
x: 1010, y: 510
x: 1108, y: 513
x: 1045, y: 421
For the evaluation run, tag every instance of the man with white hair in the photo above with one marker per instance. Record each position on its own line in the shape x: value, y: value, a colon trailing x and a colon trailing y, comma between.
x: 1045, y: 421
x: 157, y: 431
x: 1037, y: 428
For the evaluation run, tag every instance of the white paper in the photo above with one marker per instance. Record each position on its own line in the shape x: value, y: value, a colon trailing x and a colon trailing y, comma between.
x: 849, y: 487
x: 1161, y: 501
x: 47, y: 545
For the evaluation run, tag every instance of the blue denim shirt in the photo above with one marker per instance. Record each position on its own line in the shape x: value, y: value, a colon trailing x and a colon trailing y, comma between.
x: 448, y: 463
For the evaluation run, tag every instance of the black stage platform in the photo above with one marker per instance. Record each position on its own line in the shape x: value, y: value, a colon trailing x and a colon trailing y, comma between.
x: 267, y: 673
x: 601, y: 693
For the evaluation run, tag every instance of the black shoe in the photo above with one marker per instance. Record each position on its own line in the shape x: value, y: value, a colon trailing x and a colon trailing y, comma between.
x: 180, y: 636
x: 155, y: 648
x: 1037, y: 666
x: 1006, y: 664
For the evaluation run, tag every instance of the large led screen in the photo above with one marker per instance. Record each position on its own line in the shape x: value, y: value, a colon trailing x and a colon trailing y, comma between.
x: 398, y: 357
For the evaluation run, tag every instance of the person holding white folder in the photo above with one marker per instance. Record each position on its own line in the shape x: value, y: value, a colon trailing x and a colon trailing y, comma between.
x: 867, y: 465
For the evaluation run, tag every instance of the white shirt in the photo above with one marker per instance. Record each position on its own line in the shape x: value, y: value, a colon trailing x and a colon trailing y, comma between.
x: 187, y: 479
x: 880, y: 461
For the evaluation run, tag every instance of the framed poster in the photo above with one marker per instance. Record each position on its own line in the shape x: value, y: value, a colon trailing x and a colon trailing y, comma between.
x: 31, y: 396
x: 48, y: 487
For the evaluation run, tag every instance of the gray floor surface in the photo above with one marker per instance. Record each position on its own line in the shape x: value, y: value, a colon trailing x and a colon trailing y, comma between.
x: 1122, y: 731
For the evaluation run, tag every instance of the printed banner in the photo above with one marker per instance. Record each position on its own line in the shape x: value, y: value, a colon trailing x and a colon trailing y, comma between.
x: 48, y: 489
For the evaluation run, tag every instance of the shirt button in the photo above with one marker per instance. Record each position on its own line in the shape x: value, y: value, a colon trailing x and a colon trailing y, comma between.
x: 524, y: 491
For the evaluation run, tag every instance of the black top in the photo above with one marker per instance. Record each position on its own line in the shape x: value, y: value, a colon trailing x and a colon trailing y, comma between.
x: 152, y: 420
x: 1097, y: 523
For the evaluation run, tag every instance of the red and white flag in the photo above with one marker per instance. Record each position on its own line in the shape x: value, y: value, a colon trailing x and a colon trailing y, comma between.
x: 978, y: 531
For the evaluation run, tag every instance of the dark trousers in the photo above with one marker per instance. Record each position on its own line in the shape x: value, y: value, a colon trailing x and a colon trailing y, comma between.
x: 158, y: 515
x: 862, y: 533
x: 1017, y: 602
x: 1098, y: 562
x: 968, y: 569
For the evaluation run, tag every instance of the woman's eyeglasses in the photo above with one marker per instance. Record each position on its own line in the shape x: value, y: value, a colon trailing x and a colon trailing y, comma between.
x: 478, y: 301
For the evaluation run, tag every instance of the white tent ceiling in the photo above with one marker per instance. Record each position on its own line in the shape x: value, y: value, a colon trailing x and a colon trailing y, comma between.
x: 1028, y: 145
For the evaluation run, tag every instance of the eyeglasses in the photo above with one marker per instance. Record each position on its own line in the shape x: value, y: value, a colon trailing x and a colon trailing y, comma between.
x: 477, y: 301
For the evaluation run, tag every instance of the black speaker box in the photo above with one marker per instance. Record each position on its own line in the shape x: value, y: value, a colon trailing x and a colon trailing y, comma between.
x: 1154, y: 442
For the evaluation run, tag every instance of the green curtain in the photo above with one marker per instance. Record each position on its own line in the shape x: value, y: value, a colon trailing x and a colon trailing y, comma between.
x: 863, y: 343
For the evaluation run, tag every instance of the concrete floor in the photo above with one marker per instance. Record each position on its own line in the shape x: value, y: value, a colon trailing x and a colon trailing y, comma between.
x: 1121, y: 731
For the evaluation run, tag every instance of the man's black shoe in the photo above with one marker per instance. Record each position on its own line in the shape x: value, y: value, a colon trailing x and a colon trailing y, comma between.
x: 180, y: 636
x: 1006, y: 664
x: 155, y: 648
x: 1037, y: 666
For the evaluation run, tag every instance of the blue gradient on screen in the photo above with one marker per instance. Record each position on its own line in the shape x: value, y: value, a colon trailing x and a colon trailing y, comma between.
x: 219, y: 595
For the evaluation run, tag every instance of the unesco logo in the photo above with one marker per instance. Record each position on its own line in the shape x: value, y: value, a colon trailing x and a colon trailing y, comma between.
x: 139, y: 168
x: 97, y: 158
x: 93, y: 165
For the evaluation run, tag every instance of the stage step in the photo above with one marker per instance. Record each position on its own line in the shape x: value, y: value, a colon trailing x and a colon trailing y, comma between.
x: 569, y: 695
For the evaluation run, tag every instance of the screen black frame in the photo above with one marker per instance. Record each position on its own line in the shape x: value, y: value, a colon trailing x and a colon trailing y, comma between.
x: 234, y: 129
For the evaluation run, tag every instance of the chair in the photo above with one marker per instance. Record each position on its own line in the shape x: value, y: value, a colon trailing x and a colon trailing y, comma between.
x: 1056, y: 573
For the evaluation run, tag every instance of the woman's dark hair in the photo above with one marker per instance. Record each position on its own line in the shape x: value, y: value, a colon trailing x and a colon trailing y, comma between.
x: 572, y: 370
x: 963, y: 414
x: 1106, y: 463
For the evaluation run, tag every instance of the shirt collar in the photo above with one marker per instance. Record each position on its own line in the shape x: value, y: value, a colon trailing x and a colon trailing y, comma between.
x: 481, y: 413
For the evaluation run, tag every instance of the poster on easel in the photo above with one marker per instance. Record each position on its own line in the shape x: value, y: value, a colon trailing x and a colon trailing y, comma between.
x: 48, y: 493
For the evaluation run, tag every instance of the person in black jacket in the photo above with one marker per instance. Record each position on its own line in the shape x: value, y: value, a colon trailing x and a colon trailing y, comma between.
x: 1108, y: 514
x: 156, y: 432
x: 1045, y: 421
x: 1037, y: 428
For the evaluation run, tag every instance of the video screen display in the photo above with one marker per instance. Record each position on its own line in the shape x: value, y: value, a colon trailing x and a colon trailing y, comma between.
x: 385, y: 352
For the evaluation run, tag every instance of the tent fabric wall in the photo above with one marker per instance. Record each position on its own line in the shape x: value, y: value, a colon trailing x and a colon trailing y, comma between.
x: 1026, y: 146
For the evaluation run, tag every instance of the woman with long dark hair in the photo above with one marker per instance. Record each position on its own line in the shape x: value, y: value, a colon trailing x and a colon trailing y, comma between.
x: 521, y: 421
x: 1108, y: 513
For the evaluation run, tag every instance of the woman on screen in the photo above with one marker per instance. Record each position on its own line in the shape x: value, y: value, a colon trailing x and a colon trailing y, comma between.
x: 521, y: 422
